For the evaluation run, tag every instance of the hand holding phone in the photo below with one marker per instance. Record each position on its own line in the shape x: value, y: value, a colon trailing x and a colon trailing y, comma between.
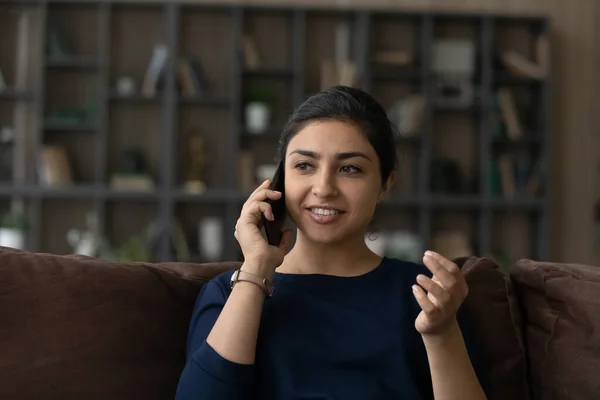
x: 274, y: 229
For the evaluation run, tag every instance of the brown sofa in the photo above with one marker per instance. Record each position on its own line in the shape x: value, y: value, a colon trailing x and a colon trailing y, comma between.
x: 73, y: 327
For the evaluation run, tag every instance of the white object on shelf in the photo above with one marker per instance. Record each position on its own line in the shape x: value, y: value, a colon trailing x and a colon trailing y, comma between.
x: 12, y: 238
x: 210, y: 238
x: 265, y: 171
x: 258, y: 115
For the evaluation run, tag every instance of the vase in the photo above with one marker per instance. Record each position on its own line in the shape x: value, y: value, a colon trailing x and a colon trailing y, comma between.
x: 210, y: 238
x: 258, y: 115
x: 12, y: 238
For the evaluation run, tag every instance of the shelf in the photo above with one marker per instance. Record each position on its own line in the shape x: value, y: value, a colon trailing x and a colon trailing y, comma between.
x: 134, y: 98
x: 56, y: 126
x: 458, y: 201
x: 390, y: 73
x: 11, y: 94
x: 517, y: 203
x: 397, y: 200
x: 269, y: 72
x: 526, y: 141
x: 293, y: 48
x: 209, y: 196
x: 205, y: 101
x: 507, y: 78
x: 73, y: 62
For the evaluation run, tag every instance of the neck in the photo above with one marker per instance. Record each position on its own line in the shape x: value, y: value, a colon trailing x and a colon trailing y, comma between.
x: 350, y: 258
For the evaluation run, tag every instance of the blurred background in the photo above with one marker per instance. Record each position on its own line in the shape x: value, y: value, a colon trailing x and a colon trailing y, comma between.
x: 134, y: 130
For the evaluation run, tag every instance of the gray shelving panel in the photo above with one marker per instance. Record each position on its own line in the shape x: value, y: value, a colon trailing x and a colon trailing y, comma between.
x: 168, y: 194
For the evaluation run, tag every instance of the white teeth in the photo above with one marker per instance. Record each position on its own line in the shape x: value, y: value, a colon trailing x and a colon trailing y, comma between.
x: 323, y: 211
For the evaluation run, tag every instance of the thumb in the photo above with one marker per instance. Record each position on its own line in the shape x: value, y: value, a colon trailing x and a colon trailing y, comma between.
x: 286, y: 240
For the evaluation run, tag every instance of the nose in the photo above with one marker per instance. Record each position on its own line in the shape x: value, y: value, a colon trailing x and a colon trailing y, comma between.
x: 324, y: 185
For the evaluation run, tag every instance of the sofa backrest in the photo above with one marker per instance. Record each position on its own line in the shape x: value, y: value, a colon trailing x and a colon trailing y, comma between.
x: 80, y: 328
x: 561, y: 309
x: 75, y: 327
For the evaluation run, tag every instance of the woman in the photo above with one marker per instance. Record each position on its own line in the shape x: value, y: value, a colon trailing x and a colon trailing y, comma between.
x: 342, y: 322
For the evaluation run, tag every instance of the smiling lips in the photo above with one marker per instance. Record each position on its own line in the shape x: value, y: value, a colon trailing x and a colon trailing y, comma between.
x: 324, y: 215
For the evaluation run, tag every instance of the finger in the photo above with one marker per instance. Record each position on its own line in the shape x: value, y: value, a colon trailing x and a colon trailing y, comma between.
x: 286, y: 240
x: 444, y: 262
x: 264, y: 194
x: 426, y: 305
x: 445, y: 278
x: 257, y: 208
x: 438, y: 292
x: 260, y: 187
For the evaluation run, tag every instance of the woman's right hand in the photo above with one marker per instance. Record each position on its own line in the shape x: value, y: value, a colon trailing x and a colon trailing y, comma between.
x: 259, y: 256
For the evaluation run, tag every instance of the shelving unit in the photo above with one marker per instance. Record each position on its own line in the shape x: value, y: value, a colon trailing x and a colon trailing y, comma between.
x: 111, y: 38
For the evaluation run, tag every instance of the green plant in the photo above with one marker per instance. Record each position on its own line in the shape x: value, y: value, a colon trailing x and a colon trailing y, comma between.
x: 14, y: 220
x: 260, y: 94
x: 135, y: 249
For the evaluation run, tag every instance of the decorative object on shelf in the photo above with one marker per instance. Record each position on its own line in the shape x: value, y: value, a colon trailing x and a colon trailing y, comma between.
x: 133, y: 173
x: 446, y: 176
x: 56, y: 44
x: 7, y: 140
x: 259, y: 101
x: 396, y: 58
x: 13, y: 230
x: 135, y: 249
x: 338, y: 73
x: 513, y: 128
x: 192, y: 80
x: 198, y: 159
x: 265, y: 171
x: 451, y: 244
x: 406, y: 114
x: 156, y: 67
x: 250, y: 52
x: 86, y: 242
x: 246, y: 171
x: 454, y: 66
x: 126, y: 86
x: 404, y: 245
x: 210, y: 238
x: 521, y: 66
x: 55, y: 169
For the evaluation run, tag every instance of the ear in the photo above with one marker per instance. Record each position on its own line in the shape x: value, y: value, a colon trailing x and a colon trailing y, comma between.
x: 385, y: 188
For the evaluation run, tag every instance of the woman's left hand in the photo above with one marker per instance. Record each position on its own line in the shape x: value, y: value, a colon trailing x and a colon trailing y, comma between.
x: 446, y: 291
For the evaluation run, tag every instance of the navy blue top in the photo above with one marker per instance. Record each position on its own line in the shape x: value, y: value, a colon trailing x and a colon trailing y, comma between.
x: 321, y: 337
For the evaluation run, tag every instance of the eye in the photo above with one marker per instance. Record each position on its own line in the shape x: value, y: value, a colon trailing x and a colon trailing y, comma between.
x: 303, y: 166
x: 350, y: 169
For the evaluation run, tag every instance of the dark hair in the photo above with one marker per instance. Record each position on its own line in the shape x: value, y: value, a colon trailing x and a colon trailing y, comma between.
x: 346, y: 104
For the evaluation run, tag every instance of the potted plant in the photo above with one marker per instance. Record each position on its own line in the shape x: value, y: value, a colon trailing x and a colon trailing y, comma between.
x: 258, y: 109
x: 13, y: 227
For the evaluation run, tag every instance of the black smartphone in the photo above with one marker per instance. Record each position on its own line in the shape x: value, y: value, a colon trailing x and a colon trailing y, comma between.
x: 274, y: 229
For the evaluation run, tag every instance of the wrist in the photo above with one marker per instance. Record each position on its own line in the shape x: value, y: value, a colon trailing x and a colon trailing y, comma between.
x: 444, y: 336
x: 259, y: 268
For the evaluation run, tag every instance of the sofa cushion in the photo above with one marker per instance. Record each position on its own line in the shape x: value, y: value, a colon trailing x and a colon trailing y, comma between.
x: 493, y: 310
x: 561, y: 306
x: 80, y: 328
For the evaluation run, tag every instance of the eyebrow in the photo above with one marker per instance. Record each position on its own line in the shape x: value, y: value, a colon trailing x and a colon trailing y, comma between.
x: 338, y: 156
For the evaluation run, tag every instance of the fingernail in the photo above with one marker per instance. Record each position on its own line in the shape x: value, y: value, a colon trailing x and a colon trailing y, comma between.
x: 429, y: 253
x: 277, y: 191
x: 414, y: 288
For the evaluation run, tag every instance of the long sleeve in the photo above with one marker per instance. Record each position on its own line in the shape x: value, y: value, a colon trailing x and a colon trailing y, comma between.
x: 207, y: 375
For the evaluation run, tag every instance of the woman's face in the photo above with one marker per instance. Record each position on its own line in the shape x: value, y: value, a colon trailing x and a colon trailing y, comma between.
x: 332, y: 182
